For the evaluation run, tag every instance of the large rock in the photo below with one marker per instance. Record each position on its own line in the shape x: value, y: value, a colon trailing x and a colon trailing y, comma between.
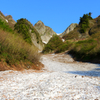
x: 45, y: 32
x: 36, y: 39
x: 9, y: 18
x: 2, y: 16
x: 69, y: 29
x: 11, y: 22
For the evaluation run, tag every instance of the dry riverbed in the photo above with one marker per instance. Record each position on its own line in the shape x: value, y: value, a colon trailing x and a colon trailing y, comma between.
x: 62, y: 78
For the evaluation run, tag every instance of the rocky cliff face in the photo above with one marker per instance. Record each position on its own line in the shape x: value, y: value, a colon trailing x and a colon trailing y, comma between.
x: 69, y: 29
x: 10, y: 19
x: 2, y: 16
x: 11, y: 22
x: 7, y: 18
x: 36, y: 39
x: 45, y: 32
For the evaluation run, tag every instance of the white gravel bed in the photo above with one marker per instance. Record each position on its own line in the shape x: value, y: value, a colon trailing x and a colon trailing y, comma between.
x: 58, y: 81
x: 48, y: 86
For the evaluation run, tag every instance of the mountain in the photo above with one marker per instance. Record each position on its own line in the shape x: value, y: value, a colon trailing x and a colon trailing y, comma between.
x: 45, y: 32
x: 2, y: 16
x: 86, y: 27
x: 11, y: 21
x: 35, y: 37
x: 69, y: 29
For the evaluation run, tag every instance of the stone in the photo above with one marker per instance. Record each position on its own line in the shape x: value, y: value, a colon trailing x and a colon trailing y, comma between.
x: 69, y: 29
x: 45, y: 32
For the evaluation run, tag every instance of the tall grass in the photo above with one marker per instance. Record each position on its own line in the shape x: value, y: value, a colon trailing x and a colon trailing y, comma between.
x: 14, y: 49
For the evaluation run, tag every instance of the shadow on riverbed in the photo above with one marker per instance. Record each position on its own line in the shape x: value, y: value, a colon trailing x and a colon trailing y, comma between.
x: 94, y: 72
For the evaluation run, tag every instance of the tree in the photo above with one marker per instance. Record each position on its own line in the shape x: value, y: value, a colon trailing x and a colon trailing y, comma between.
x: 90, y: 14
x: 22, y: 28
x: 84, y: 22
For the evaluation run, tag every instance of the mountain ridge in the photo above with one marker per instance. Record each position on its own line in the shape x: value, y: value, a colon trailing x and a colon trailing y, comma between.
x: 70, y: 28
x: 45, y: 31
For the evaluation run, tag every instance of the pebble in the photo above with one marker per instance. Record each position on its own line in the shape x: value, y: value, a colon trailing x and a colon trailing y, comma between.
x: 55, y: 84
x: 48, y: 86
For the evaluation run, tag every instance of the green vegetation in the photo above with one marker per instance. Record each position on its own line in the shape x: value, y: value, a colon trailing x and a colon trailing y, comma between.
x: 13, y: 48
x: 84, y: 50
x: 52, y: 45
x: 84, y: 22
x: 82, y: 46
x: 22, y: 26
x: 81, y: 31
x: 65, y: 46
x: 5, y: 26
x: 25, y: 28
x: 96, y: 27
x: 56, y: 45
x: 71, y: 35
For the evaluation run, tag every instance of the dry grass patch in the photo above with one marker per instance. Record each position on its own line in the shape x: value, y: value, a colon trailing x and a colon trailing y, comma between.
x: 16, y: 52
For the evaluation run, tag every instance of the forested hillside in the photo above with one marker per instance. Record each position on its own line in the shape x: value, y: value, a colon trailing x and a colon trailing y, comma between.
x: 83, y: 43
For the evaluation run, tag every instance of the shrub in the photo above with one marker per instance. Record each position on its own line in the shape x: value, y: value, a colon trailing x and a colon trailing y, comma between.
x: 22, y: 26
x: 25, y: 28
x: 53, y: 44
x: 65, y: 46
x: 14, y: 49
x: 71, y: 35
x: 84, y: 50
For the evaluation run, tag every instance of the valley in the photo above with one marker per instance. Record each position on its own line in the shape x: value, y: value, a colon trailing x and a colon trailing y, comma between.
x: 38, y: 64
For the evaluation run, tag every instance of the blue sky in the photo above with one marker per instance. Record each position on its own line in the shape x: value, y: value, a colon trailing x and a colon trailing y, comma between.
x: 57, y: 14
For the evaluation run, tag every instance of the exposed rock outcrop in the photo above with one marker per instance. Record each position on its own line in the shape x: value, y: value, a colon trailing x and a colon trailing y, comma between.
x: 11, y: 22
x: 36, y: 39
x: 2, y: 16
x: 45, y: 32
x: 9, y: 18
x: 69, y: 29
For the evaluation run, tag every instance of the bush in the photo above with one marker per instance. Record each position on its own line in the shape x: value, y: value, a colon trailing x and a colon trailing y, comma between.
x: 53, y: 44
x: 84, y: 50
x: 63, y: 47
x: 22, y: 26
x: 14, y: 49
